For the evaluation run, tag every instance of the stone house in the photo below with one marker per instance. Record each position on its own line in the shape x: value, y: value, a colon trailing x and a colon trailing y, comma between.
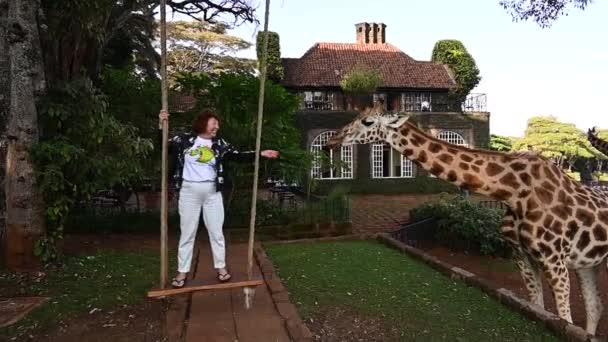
x: 419, y: 88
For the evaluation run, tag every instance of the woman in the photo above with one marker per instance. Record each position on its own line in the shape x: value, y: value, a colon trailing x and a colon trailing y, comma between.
x: 198, y: 160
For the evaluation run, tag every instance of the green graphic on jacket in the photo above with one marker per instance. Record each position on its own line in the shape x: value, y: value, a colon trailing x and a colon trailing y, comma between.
x: 204, y: 153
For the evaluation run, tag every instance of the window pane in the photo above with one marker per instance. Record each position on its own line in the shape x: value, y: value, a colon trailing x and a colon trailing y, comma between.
x: 325, y: 159
x: 387, y: 162
x: 417, y: 101
x: 395, y: 163
x: 407, y: 167
x: 377, y: 160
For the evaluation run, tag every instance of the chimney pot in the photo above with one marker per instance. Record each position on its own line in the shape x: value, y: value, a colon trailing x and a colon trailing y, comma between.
x: 371, y: 33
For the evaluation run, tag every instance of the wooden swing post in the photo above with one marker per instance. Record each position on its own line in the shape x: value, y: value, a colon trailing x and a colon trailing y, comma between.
x: 165, y: 137
x: 250, y: 291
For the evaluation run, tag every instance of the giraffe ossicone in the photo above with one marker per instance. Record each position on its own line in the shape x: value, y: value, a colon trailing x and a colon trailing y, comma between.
x: 554, y: 224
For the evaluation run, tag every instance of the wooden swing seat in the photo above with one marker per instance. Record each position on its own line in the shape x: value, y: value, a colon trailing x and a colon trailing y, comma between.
x: 194, y: 285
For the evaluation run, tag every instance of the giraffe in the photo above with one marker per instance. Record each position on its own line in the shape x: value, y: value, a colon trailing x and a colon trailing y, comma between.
x: 554, y: 224
x: 597, y: 142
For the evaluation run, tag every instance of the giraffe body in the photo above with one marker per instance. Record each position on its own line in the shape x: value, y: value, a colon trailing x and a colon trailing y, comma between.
x: 554, y: 224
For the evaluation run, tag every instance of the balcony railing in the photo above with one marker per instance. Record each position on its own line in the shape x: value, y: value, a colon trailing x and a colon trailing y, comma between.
x: 475, y: 103
x: 409, y: 102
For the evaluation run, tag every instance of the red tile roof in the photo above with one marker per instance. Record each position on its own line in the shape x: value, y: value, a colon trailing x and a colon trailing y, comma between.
x: 324, y: 65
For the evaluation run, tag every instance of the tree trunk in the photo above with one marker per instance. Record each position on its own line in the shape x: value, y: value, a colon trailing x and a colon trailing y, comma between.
x: 4, y: 105
x: 25, y: 208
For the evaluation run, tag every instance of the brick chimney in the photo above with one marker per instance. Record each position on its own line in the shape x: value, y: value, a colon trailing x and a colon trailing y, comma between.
x: 371, y: 33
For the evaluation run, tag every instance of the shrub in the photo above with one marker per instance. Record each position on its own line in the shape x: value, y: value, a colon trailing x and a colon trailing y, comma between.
x: 466, y: 226
x: 361, y: 80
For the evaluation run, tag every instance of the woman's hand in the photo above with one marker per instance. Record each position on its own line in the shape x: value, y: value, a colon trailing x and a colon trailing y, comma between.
x: 162, y: 116
x: 270, y: 154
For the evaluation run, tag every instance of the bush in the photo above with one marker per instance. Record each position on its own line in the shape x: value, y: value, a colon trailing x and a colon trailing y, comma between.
x: 361, y: 80
x: 464, y: 225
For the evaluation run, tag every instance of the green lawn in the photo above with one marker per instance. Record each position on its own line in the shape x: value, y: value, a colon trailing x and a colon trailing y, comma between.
x: 381, y: 282
x: 103, y: 280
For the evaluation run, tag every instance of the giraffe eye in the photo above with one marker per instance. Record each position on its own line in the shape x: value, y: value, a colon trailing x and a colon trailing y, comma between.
x: 366, y: 123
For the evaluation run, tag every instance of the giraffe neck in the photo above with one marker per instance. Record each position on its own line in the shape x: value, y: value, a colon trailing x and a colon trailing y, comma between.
x: 483, y: 172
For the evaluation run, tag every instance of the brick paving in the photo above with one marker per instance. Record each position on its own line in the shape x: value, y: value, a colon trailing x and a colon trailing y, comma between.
x: 221, y: 316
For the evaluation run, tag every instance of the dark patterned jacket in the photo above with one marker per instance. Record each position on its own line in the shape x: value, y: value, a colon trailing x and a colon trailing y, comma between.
x: 179, y: 144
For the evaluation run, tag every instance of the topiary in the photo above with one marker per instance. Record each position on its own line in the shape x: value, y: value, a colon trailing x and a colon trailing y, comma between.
x: 274, y: 66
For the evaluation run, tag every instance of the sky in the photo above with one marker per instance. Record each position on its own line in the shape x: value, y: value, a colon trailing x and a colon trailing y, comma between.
x: 526, y: 70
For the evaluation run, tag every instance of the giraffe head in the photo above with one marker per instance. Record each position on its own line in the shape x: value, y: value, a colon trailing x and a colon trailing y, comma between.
x: 592, y: 131
x: 373, y: 125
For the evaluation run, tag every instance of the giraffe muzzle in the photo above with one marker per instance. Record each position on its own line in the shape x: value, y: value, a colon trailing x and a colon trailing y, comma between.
x: 335, y: 141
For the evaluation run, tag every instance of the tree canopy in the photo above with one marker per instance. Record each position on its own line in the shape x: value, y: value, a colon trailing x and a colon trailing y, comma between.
x: 562, y: 142
x: 500, y: 143
x: 88, y: 77
x: 543, y: 12
x: 200, y: 47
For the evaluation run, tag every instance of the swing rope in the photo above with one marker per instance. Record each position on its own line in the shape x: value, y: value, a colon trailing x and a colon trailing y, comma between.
x: 250, y: 291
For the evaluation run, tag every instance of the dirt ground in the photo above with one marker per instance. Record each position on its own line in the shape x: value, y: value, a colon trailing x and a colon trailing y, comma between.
x: 503, y: 273
x: 141, y: 322
x: 338, y: 325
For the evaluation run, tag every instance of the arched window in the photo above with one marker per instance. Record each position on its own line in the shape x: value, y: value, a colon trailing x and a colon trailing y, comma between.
x: 331, y: 163
x: 452, y: 138
x: 389, y: 163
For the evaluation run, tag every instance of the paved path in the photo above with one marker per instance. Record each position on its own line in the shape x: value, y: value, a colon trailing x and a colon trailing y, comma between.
x: 221, y: 315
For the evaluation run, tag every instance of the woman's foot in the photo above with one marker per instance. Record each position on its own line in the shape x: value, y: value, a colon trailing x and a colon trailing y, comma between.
x: 179, y: 281
x: 223, y: 275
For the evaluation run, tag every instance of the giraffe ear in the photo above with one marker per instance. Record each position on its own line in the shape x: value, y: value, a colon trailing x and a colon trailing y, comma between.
x: 398, y: 121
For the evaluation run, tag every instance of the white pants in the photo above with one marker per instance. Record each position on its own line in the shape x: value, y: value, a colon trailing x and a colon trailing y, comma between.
x: 193, y: 197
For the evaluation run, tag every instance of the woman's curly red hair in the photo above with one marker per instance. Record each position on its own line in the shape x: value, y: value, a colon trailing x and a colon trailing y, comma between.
x: 199, y: 126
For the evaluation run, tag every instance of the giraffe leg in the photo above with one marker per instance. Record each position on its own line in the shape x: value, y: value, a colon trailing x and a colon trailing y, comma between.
x: 532, y: 279
x: 529, y: 272
x: 559, y: 280
x: 593, y: 302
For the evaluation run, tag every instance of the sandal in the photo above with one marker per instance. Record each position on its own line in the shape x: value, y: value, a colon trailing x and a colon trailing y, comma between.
x: 178, y: 283
x: 223, y: 277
